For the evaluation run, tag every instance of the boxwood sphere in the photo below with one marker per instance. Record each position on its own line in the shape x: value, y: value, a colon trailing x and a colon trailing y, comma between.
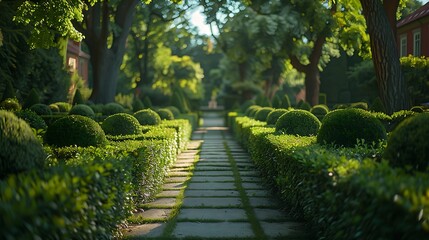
x: 345, y: 126
x: 112, y: 108
x: 408, y: 144
x: 11, y: 104
x: 275, y: 115
x: 298, y: 122
x: 83, y: 110
x: 147, y: 117
x: 165, y: 114
x: 174, y: 110
x: 121, y: 124
x: 20, y: 149
x: 35, y: 121
x: 251, y: 111
x: 75, y: 130
x: 262, y: 113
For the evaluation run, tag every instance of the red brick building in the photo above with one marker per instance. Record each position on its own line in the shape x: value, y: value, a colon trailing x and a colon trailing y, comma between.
x: 413, y: 33
x: 77, y: 60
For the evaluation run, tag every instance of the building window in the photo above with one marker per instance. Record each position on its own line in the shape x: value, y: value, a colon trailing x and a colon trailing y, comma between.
x: 417, y: 43
x: 72, y: 64
x: 403, y: 48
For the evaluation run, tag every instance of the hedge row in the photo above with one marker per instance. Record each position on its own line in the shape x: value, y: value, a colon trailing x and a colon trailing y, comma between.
x: 345, y: 193
x: 85, y: 192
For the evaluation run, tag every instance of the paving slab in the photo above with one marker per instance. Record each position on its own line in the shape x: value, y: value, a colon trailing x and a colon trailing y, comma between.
x: 253, y: 185
x: 168, y: 193
x: 223, y: 214
x: 212, y: 164
x: 257, y: 193
x: 150, y: 230
x: 213, y: 230
x: 251, y: 179
x: 176, y: 179
x: 173, y: 186
x: 249, y: 173
x: 263, y: 202
x: 282, y: 230
x: 161, y: 203
x: 155, y: 214
x: 211, y: 202
x: 212, y: 179
x: 213, y: 173
x: 212, y: 186
x: 211, y: 193
x: 179, y: 174
x: 271, y: 215
x: 213, y: 168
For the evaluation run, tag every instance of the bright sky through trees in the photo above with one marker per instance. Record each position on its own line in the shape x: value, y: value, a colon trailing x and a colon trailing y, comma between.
x: 199, y: 20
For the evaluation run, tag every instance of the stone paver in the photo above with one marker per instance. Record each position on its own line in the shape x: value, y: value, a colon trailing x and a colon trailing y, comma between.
x: 212, y: 230
x: 222, y: 214
x: 213, y: 202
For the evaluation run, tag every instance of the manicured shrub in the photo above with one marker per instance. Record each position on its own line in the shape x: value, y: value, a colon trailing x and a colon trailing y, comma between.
x: 174, y: 110
x: 340, y: 106
x: 298, y: 122
x: 322, y: 98
x: 75, y: 130
x: 147, y: 102
x: 10, y: 104
x: 286, y: 102
x: 251, y: 111
x: 275, y: 115
x: 262, y: 113
x: 262, y: 100
x: 246, y: 105
x: 165, y: 114
x: 303, y: 105
x: 20, y: 149
x: 41, y: 109
x: 35, y: 121
x: 112, y: 108
x: 82, y: 110
x: 64, y: 106
x: 97, y: 108
x: 54, y: 108
x: 345, y: 127
x: 319, y: 111
x: 78, y: 98
x: 417, y: 109
x: 276, y: 102
x: 147, y: 117
x: 121, y: 124
x: 408, y: 144
x: 32, y: 98
x: 361, y: 105
x: 137, y: 104
x: 399, y: 116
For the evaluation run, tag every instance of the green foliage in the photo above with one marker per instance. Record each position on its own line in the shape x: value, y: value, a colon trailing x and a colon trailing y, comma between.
x: 303, y: 105
x: 251, y: 111
x: 54, y: 108
x: 274, y: 115
x: 262, y: 113
x: 407, y: 146
x: 286, y: 102
x: 174, y: 110
x: 32, y: 118
x: 8, y: 92
x: 416, y: 70
x: 10, y: 104
x: 322, y: 98
x: 320, y: 111
x: 112, y: 108
x: 41, y: 109
x: 121, y: 124
x: 346, y: 127
x: 147, y: 117
x: 361, y: 105
x: 298, y: 122
x: 32, y: 98
x: 377, y: 106
x: 20, y: 149
x: 276, y: 102
x: 399, y: 116
x: 64, y: 106
x: 75, y: 130
x: 417, y: 109
x: 243, y: 126
x: 246, y: 105
x: 179, y: 101
x: 137, y: 104
x: 82, y: 110
x: 262, y: 101
x: 78, y: 98
x: 147, y: 102
x: 165, y: 114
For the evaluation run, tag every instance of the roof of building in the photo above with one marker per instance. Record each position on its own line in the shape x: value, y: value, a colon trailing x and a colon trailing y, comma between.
x: 423, y: 11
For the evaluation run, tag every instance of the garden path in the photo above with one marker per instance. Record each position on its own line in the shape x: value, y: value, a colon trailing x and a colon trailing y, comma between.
x: 214, y: 192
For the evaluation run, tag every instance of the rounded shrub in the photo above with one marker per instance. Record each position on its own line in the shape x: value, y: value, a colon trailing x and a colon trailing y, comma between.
x: 251, y: 111
x: 112, y: 108
x: 121, y: 124
x: 408, y: 144
x: 32, y: 98
x: 303, y: 105
x: 399, y: 116
x: 63, y: 106
x: 20, y: 149
x: 35, y: 121
x: 286, y: 102
x: 41, y: 109
x: 298, y: 122
x: 10, y: 104
x: 78, y: 98
x: 417, y: 109
x: 174, y: 110
x: 319, y: 111
x: 275, y: 115
x: 75, y: 130
x: 262, y: 113
x: 361, y: 105
x: 377, y: 105
x: 54, y: 108
x: 137, y: 104
x: 246, y: 105
x: 147, y: 117
x: 83, y: 110
x: 344, y: 127
x: 165, y: 114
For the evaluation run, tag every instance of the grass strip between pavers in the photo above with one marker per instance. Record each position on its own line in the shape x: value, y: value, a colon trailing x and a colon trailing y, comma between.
x: 256, y: 226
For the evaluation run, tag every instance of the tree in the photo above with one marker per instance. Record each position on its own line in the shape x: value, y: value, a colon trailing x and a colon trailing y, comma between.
x: 381, y: 21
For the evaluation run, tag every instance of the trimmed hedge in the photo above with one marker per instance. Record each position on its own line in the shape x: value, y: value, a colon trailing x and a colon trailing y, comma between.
x: 82, y: 110
x: 298, y: 122
x: 275, y: 115
x: 121, y: 124
x: 147, y: 117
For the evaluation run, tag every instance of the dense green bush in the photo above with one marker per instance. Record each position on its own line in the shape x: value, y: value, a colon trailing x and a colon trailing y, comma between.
x: 275, y: 115
x: 398, y: 117
x: 174, y: 110
x: 35, y: 121
x: 82, y: 110
x: 121, y: 124
x: 54, y: 108
x: 147, y: 117
x: 262, y: 113
x: 408, y: 144
x: 41, y: 109
x: 361, y: 105
x: 112, y: 108
x: 298, y: 122
x: 183, y: 128
x: 137, y: 104
x: 75, y: 130
x: 286, y: 102
x: 345, y: 127
x: 322, y: 98
x: 251, y: 111
x: 276, y: 102
x: 246, y: 105
x: 243, y: 126
x: 64, y: 107
x: 416, y: 72
x: 417, y: 109
x: 9, y: 91
x: 165, y: 114
x: 78, y: 98
x: 319, y: 111
x: 303, y: 105
x: 377, y: 106
x: 32, y: 98
x: 20, y: 149
x: 10, y: 104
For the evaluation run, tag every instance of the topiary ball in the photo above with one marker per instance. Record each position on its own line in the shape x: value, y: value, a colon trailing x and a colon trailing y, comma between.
x: 361, y: 105
x: 64, y: 107
x: 304, y: 106
x: 41, y: 109
x: 262, y: 113
x: 165, y: 114
x: 174, y: 110
x: 112, y: 108
x: 20, y: 149
x: 10, y: 104
x: 345, y: 126
x: 147, y: 117
x: 275, y: 115
x: 54, y: 108
x: 75, y: 130
x: 35, y: 121
x: 417, y: 109
x: 82, y: 110
x: 121, y: 124
x: 408, y: 144
x: 298, y: 122
x: 251, y: 111
x: 319, y: 111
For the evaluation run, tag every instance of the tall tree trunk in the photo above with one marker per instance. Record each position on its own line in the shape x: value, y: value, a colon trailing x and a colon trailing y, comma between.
x: 390, y: 80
